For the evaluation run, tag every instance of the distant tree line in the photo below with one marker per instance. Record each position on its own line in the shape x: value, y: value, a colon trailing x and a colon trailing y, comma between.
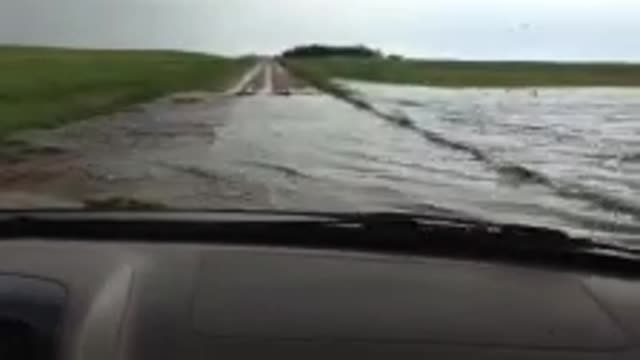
x: 325, y: 51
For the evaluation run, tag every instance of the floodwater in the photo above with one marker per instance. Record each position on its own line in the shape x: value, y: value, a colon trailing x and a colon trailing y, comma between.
x: 567, y: 158
x: 563, y: 158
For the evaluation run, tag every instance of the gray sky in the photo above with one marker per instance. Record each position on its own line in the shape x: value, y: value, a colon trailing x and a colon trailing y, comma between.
x: 471, y: 29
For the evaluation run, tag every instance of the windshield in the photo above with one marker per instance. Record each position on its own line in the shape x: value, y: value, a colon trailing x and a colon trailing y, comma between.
x: 523, y: 112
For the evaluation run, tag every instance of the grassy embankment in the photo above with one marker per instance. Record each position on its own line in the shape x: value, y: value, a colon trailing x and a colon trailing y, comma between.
x: 473, y: 74
x: 46, y: 87
x: 317, y: 75
x: 319, y: 71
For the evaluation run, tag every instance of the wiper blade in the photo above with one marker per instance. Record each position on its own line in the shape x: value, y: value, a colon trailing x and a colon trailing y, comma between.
x: 385, y: 222
x: 514, y: 235
x: 435, y: 234
x: 425, y: 224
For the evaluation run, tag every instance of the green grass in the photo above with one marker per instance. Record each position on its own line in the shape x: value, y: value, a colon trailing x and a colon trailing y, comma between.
x: 469, y: 74
x: 318, y: 76
x: 48, y: 87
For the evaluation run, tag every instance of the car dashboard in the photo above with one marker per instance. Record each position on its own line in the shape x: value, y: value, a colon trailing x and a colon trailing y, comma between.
x: 80, y: 299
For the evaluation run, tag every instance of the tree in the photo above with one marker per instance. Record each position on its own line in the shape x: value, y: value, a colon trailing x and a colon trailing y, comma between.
x: 316, y: 50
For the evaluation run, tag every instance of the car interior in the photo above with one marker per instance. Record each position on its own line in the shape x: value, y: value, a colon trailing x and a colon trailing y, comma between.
x: 215, y: 295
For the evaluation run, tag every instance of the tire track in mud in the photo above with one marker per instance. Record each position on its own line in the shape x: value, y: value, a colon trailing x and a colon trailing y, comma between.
x: 254, y: 83
x: 270, y: 78
x: 245, y: 80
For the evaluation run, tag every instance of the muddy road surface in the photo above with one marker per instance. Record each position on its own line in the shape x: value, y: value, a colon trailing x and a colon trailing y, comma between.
x: 563, y: 158
x: 160, y: 154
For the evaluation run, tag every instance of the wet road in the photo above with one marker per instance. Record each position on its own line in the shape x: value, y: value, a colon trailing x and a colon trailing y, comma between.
x: 561, y: 158
x: 165, y: 152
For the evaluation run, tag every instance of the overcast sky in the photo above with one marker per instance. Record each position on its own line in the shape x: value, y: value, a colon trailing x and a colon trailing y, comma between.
x: 470, y: 29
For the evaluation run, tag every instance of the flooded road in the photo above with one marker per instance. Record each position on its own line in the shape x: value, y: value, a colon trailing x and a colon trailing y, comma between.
x: 569, y: 159
x: 565, y: 158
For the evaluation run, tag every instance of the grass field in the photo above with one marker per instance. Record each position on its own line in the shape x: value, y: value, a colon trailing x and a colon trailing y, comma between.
x: 468, y: 74
x: 45, y: 87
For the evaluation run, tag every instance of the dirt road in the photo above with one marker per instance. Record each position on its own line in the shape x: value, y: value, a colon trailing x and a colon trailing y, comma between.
x: 270, y: 142
x: 155, y: 154
x: 270, y: 78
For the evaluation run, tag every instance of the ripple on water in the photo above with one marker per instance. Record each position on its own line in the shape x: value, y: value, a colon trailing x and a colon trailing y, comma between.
x: 556, y: 142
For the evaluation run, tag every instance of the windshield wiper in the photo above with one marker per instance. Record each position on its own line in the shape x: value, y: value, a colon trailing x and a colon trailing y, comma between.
x: 485, y: 233
x: 516, y: 233
x: 477, y: 239
x: 434, y: 234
